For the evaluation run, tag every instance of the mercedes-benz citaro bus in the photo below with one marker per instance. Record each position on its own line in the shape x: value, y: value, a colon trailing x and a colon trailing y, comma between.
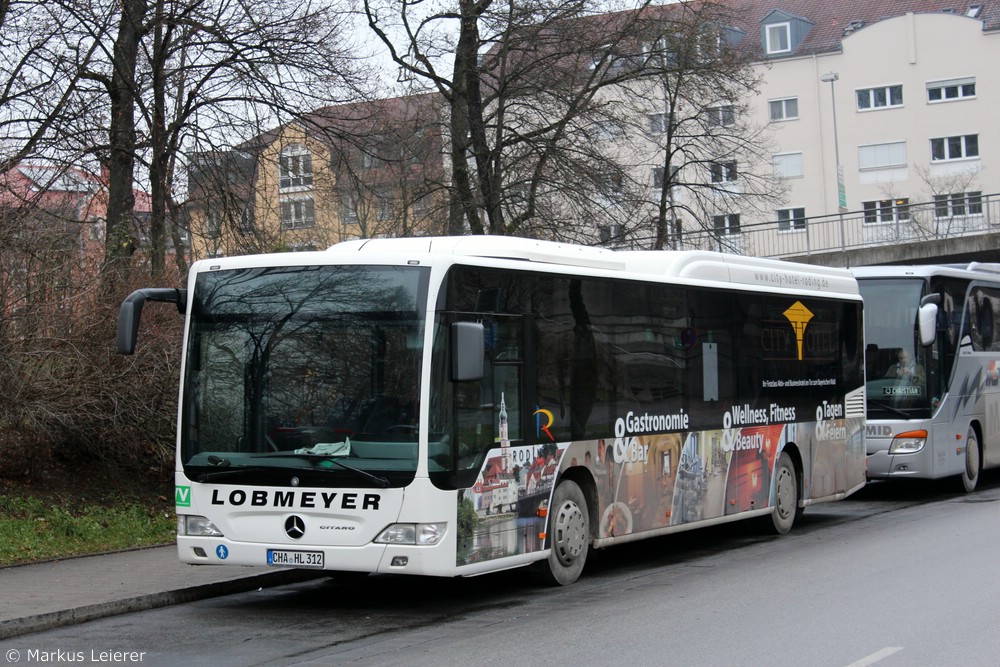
x: 456, y: 406
x: 933, y: 370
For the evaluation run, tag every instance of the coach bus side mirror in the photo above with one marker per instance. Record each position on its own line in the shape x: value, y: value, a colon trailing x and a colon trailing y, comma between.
x: 467, y: 348
x: 131, y: 312
x: 927, y: 318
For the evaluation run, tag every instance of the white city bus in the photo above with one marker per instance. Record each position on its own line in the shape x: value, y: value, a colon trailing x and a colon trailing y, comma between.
x: 932, y: 370
x: 455, y: 406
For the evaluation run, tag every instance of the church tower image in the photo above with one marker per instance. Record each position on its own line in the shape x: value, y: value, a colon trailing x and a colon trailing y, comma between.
x: 504, y: 437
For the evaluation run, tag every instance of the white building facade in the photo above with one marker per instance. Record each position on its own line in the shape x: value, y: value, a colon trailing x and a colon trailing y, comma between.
x: 908, y: 105
x: 903, y: 95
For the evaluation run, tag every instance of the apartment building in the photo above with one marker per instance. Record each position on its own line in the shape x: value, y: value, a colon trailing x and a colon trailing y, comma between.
x: 901, y: 96
x: 347, y: 171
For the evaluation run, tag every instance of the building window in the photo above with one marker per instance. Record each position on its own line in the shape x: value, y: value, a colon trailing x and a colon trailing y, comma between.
x: 295, y: 168
x: 213, y: 224
x: 948, y: 91
x: 722, y: 116
x: 886, y: 210
x: 657, y: 177
x: 610, y: 233
x: 605, y: 130
x: 422, y: 205
x: 787, y: 165
x: 791, y: 219
x: 613, y: 187
x: 348, y: 209
x: 786, y: 109
x: 297, y: 213
x: 384, y: 205
x: 958, y: 204
x: 246, y: 223
x: 882, y: 156
x: 880, y: 98
x: 723, y: 172
x: 778, y: 37
x: 656, y: 124
x: 657, y: 174
x: 955, y: 148
x: 726, y: 225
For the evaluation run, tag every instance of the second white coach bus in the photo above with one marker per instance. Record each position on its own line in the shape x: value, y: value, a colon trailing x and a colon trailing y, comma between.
x: 455, y: 406
x: 933, y: 370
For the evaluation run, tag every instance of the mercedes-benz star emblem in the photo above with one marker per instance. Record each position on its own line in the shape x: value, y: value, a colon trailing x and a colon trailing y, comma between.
x: 295, y: 527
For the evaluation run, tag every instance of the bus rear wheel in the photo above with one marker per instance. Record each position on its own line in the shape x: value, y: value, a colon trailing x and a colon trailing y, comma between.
x: 569, y: 535
x: 970, y: 476
x: 786, y: 498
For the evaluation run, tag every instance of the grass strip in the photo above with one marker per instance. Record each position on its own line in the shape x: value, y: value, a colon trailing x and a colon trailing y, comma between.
x: 33, y: 529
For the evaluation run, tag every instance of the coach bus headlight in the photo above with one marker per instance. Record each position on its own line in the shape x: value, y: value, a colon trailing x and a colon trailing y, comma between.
x: 908, y: 443
x: 423, y: 534
x: 198, y: 526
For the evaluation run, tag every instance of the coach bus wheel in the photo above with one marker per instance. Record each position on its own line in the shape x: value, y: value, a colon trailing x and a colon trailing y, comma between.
x: 569, y: 534
x: 786, y: 498
x: 970, y: 476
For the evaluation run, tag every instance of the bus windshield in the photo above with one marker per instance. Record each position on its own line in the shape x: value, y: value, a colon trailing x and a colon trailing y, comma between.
x: 896, y: 365
x: 310, y: 372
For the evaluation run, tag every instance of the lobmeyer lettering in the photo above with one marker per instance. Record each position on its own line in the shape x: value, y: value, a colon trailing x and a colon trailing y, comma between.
x: 301, y: 499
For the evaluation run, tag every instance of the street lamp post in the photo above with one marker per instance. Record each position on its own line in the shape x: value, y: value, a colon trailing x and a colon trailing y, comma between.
x: 831, y: 78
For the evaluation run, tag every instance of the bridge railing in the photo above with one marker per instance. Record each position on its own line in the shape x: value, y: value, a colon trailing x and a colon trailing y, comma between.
x: 898, y: 223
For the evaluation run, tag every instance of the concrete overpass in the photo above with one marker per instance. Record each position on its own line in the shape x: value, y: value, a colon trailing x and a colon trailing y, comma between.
x: 979, y: 248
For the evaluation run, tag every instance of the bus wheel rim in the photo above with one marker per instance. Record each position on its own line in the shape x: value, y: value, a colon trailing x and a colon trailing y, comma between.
x: 570, y: 532
x: 785, y: 494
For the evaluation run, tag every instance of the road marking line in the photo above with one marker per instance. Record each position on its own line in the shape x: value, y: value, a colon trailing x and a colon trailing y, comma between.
x: 876, y: 656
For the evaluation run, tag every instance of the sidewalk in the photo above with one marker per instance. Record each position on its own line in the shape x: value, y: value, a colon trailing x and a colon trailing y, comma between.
x: 74, y: 590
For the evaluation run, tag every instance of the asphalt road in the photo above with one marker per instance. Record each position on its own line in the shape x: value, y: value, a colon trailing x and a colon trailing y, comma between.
x: 892, y: 576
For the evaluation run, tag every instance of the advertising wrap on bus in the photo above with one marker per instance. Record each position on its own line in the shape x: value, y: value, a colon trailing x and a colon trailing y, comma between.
x: 648, y: 482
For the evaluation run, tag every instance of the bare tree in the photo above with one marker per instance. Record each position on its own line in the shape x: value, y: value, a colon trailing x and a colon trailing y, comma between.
x: 522, y: 77
x: 127, y: 86
x: 549, y: 105
x: 211, y: 62
x: 695, y: 105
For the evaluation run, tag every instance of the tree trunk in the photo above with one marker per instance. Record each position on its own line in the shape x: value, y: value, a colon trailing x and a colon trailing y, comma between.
x: 120, y: 241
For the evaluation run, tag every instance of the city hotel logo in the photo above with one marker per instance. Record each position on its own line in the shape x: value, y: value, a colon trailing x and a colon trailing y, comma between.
x: 807, y: 335
x: 798, y: 315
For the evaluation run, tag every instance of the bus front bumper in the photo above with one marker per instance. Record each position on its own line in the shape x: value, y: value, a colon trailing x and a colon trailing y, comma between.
x: 377, y: 558
x: 883, y: 465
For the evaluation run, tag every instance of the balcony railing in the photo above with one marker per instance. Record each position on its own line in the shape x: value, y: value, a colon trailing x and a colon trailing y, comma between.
x: 908, y: 223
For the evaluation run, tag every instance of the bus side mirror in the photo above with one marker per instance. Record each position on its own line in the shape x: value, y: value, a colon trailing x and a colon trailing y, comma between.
x: 467, y: 349
x: 927, y: 319
x: 131, y: 312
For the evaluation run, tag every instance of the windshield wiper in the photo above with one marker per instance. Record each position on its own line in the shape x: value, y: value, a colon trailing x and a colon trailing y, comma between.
x: 374, y: 479
x: 227, y: 471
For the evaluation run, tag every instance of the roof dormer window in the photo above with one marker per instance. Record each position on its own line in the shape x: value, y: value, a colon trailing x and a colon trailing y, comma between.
x: 782, y: 33
x: 779, y: 39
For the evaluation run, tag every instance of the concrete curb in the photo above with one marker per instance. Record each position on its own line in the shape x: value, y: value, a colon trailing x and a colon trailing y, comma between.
x: 29, y: 624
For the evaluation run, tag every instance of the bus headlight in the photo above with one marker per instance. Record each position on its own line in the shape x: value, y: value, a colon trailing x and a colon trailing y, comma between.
x: 198, y: 526
x: 423, y: 534
x: 908, y: 443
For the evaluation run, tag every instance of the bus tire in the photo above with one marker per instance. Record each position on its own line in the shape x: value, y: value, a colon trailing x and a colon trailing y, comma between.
x: 786, y: 498
x: 569, y: 535
x: 973, y: 462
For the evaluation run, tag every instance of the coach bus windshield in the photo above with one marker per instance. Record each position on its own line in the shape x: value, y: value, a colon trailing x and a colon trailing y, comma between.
x: 900, y: 373
x: 304, y: 375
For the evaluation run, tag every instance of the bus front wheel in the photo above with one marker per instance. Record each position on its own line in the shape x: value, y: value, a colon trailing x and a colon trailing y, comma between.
x: 569, y: 535
x: 970, y: 476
